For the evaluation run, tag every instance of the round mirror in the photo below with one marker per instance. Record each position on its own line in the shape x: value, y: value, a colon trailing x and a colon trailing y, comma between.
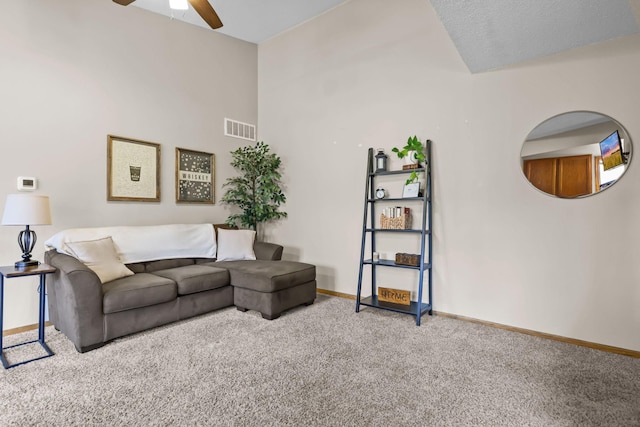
x: 576, y: 154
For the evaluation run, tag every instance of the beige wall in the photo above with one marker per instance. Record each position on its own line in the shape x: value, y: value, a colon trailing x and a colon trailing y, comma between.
x: 73, y: 71
x: 372, y: 73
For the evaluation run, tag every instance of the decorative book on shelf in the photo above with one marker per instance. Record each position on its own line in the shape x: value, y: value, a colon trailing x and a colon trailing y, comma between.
x: 397, y: 218
x: 408, y: 259
x: 411, y: 166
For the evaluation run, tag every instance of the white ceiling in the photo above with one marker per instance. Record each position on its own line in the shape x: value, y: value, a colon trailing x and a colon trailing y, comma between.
x: 251, y: 20
x: 488, y: 34
x: 567, y: 122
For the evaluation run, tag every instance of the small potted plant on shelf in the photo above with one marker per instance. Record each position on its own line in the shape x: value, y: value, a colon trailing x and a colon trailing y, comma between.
x: 413, y: 153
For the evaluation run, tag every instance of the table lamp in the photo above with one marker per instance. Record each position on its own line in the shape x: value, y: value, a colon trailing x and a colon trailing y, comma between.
x: 26, y: 209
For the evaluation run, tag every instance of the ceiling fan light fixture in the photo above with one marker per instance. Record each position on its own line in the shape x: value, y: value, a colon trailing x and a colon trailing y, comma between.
x: 179, y: 4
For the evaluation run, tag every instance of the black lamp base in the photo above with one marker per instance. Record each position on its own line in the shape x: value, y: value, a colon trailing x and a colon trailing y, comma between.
x: 25, y: 264
x: 27, y: 240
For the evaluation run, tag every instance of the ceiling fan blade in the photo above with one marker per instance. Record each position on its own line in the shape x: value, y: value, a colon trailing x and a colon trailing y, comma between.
x: 206, y: 12
x: 124, y: 2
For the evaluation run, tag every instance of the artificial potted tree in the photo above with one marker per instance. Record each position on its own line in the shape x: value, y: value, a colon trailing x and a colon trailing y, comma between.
x: 257, y: 190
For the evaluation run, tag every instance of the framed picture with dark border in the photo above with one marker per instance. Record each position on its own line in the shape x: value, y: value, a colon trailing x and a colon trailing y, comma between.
x: 195, y: 176
x: 133, y: 170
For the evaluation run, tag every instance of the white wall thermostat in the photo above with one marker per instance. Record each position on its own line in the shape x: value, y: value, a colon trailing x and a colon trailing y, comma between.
x: 27, y: 183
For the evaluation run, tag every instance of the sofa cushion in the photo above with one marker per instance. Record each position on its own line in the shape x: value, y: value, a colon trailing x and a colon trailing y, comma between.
x: 140, y: 290
x: 268, y: 276
x: 235, y: 245
x: 165, y: 264
x: 196, y: 278
x: 136, y: 267
x: 101, y: 257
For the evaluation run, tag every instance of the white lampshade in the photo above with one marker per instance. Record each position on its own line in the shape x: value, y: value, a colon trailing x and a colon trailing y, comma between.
x: 26, y: 209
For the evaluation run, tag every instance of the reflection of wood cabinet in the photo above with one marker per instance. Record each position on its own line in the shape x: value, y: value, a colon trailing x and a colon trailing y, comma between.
x: 542, y: 174
x: 561, y: 176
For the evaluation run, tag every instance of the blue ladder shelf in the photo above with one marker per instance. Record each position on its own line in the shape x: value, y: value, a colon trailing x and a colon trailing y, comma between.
x: 369, y: 235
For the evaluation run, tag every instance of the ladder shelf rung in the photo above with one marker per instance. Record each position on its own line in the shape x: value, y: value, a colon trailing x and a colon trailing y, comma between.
x: 392, y: 263
x: 393, y: 230
x: 399, y: 199
x: 413, y: 308
x: 397, y: 172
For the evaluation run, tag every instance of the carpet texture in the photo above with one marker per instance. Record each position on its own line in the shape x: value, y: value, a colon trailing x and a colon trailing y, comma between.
x: 322, y: 365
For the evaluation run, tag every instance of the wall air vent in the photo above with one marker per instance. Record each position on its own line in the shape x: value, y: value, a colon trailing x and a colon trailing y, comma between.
x: 239, y: 130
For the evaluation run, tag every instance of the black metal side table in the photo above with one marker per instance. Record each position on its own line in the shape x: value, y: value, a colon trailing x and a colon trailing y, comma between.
x: 9, y: 272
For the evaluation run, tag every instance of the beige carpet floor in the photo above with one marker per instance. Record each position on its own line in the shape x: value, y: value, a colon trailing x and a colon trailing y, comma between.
x: 322, y: 365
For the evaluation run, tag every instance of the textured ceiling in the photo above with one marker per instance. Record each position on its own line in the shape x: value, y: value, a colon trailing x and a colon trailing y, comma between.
x: 495, y: 33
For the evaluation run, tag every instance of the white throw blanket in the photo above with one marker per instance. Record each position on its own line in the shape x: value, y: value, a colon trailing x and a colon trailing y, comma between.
x: 145, y: 243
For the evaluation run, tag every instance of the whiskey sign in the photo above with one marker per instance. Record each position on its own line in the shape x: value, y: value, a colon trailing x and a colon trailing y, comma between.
x: 395, y: 296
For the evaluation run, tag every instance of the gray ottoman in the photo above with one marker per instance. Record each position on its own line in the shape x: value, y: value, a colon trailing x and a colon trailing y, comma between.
x: 270, y: 287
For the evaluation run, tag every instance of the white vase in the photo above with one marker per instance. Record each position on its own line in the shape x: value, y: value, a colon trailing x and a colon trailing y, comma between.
x: 410, y: 158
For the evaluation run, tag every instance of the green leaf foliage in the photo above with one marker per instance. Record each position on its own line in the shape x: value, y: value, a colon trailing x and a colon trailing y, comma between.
x: 413, y: 144
x: 256, y: 192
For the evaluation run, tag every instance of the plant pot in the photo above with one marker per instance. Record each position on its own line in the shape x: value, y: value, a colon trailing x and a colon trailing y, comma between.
x: 410, y: 158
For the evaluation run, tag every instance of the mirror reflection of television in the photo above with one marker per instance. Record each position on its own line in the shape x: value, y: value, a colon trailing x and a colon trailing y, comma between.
x: 611, y: 151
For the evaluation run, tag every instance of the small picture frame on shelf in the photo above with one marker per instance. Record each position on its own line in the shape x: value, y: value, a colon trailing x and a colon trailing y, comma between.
x: 411, y: 190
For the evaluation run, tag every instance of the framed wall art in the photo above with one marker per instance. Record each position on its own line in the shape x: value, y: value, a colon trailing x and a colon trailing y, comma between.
x: 133, y: 170
x: 195, y: 176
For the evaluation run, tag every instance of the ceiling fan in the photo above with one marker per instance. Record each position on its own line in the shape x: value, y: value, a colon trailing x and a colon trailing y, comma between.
x: 203, y: 7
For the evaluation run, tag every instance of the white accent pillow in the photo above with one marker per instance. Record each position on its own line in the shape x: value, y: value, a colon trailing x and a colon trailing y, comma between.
x: 235, y: 245
x: 101, y: 257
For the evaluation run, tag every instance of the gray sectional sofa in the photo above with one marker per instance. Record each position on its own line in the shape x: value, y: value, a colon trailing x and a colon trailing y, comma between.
x: 91, y: 313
